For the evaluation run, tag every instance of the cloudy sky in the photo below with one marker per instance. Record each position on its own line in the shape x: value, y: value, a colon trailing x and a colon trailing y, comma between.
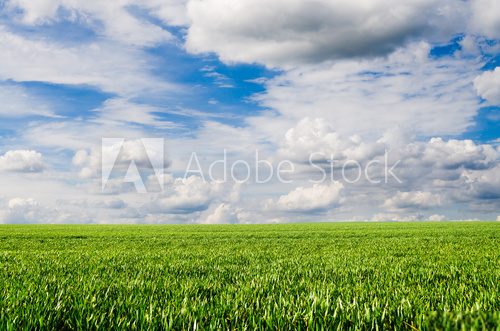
x: 374, y: 110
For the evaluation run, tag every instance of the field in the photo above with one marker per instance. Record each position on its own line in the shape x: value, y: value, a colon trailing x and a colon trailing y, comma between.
x: 294, y: 276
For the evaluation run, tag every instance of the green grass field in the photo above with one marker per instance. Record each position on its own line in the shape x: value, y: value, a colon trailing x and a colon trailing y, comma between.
x: 295, y: 276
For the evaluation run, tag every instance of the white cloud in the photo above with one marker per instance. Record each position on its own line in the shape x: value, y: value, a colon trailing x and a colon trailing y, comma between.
x: 76, y: 134
x: 224, y: 213
x: 16, y: 102
x: 439, y: 163
x: 121, y: 110
x: 19, y: 203
x: 112, y: 19
x: 482, y: 185
x: 437, y: 218
x: 488, y: 86
x: 455, y: 153
x: 115, y: 203
x: 385, y: 217
x: 221, y: 214
x: 485, y: 18
x: 185, y: 195
x: 21, y: 210
x: 318, y: 197
x: 422, y: 165
x: 434, y: 165
x: 81, y: 158
x: 407, y: 90
x: 26, y: 210
x: 106, y: 65
x: 89, y: 164
x: 413, y: 200
x: 172, y: 12
x: 21, y: 161
x: 316, y: 137
x: 292, y: 31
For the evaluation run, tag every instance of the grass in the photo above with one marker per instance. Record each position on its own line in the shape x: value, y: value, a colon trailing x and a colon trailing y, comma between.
x: 297, y: 276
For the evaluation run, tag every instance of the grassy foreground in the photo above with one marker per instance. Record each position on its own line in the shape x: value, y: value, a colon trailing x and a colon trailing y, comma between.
x: 307, y: 276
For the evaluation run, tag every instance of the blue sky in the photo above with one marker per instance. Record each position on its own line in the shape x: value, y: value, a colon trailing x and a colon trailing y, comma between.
x: 350, y: 82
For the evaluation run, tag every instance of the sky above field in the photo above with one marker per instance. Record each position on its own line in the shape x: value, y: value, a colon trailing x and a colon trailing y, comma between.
x: 363, y: 110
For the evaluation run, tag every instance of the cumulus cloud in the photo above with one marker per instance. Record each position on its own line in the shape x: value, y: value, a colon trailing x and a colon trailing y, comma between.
x: 221, y: 214
x: 317, y: 138
x: 413, y: 200
x: 407, y: 89
x: 99, y: 203
x: 292, y: 31
x: 384, y: 217
x: 440, y: 164
x: 437, y: 218
x: 485, y: 18
x: 430, y: 170
x: 447, y: 167
x: 115, y: 203
x: 21, y: 161
x: 455, y: 153
x: 488, y: 86
x: 225, y: 213
x: 88, y: 163
x: 25, y: 210
x: 432, y: 173
x: 28, y: 210
x: 185, y: 195
x: 391, y: 217
x: 20, y: 203
x: 20, y: 210
x: 483, y: 185
x: 318, y: 197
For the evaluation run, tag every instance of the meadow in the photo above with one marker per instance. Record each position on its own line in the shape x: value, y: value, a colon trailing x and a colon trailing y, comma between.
x: 416, y: 276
